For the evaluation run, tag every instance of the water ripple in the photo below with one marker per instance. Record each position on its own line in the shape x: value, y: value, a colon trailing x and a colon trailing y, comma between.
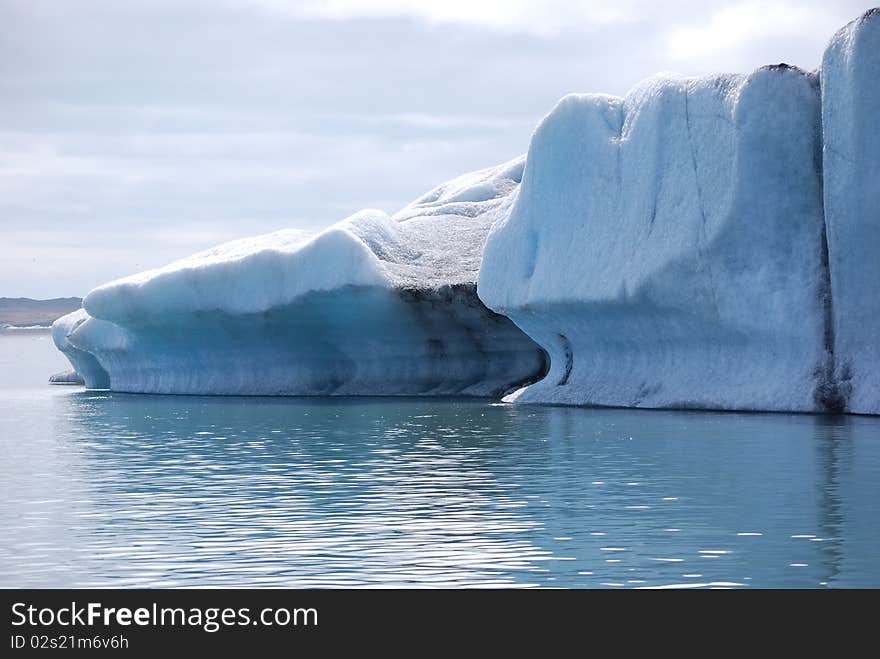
x: 155, y: 491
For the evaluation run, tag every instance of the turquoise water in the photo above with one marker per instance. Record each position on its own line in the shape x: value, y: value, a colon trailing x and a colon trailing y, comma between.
x: 100, y: 489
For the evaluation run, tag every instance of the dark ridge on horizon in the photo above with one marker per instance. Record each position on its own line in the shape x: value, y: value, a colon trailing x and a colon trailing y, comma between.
x: 24, y: 311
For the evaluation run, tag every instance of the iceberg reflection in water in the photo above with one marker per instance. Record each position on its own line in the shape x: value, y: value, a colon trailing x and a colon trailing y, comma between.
x: 107, y: 489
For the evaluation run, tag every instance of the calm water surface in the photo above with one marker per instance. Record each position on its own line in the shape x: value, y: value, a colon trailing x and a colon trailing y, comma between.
x: 100, y: 489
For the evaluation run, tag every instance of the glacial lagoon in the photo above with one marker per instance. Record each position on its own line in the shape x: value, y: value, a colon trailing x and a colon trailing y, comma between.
x: 114, y: 490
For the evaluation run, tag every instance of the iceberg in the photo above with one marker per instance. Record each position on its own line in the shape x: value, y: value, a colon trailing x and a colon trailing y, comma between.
x: 666, y: 248
x: 705, y: 242
x: 372, y: 305
x: 709, y: 242
x: 66, y: 377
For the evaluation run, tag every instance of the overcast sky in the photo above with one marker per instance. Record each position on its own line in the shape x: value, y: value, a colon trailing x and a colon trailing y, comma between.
x: 135, y: 132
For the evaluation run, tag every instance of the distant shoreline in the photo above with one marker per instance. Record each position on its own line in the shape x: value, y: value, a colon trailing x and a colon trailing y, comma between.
x: 26, y: 314
x: 25, y: 328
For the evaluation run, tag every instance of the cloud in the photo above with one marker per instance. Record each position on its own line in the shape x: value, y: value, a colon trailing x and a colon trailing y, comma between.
x: 541, y: 17
x: 133, y: 133
x: 742, y: 25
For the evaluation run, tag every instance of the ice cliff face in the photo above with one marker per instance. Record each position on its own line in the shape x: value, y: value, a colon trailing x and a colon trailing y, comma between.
x: 851, y: 156
x: 702, y: 242
x: 373, y: 305
x: 666, y: 248
x: 84, y: 363
x: 669, y: 248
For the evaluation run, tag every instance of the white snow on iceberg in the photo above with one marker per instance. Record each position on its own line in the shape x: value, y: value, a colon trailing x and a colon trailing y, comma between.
x: 372, y: 305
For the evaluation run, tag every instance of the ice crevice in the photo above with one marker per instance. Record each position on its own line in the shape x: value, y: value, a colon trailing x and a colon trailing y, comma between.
x: 703, y: 238
x: 829, y: 394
